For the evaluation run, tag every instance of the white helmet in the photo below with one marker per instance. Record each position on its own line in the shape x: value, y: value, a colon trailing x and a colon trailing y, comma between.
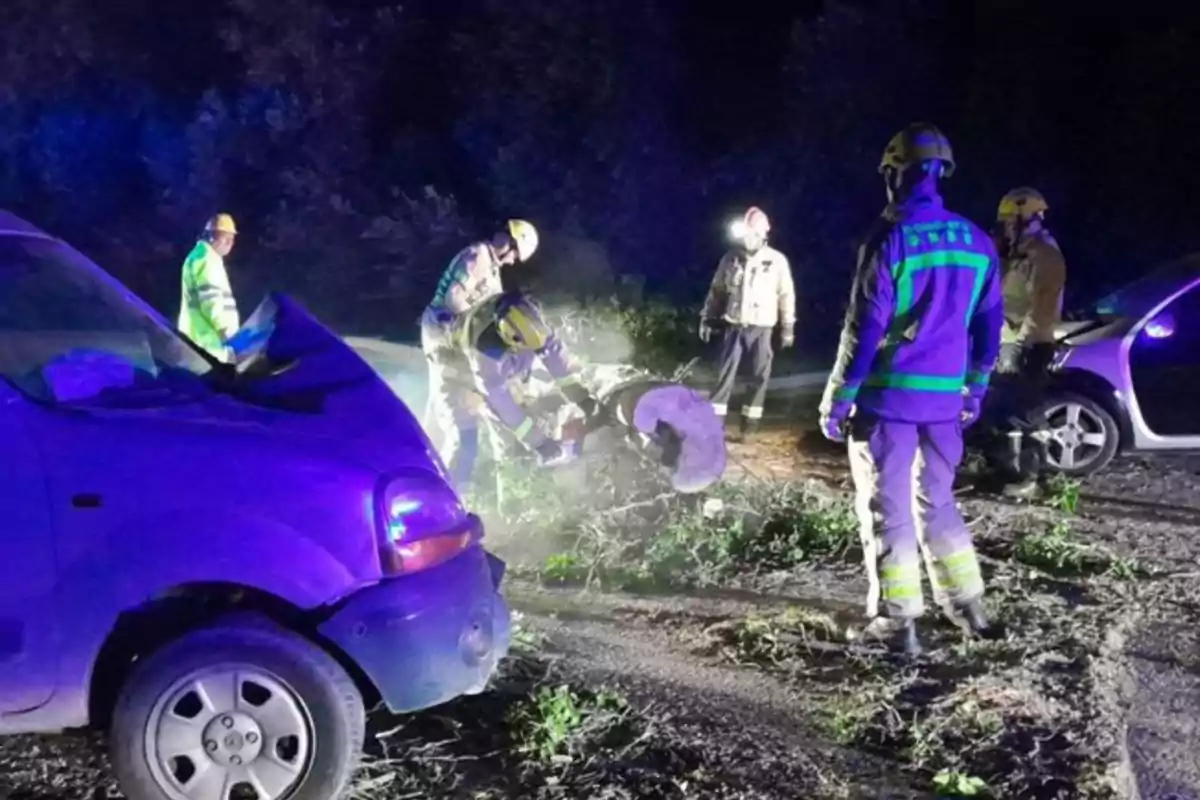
x: 525, y: 236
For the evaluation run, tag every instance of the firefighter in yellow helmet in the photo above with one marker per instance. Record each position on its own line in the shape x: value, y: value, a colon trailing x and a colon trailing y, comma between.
x: 208, y: 314
x: 472, y: 277
x: 1033, y: 278
x: 496, y: 345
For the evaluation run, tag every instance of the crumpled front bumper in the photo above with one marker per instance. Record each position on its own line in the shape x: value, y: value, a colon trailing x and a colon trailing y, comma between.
x: 427, y: 638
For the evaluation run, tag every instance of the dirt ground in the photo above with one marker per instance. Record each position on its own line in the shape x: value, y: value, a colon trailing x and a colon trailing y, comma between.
x: 749, y: 689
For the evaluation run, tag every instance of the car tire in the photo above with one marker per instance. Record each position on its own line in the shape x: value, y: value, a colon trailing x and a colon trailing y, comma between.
x: 257, y: 703
x: 1091, y: 418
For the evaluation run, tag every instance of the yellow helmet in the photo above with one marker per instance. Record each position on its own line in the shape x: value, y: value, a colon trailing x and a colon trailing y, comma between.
x: 525, y: 236
x: 917, y: 143
x: 221, y: 223
x: 520, y: 323
x: 1024, y: 203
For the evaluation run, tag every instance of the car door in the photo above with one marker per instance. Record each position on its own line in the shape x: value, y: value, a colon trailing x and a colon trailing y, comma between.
x: 1164, y: 365
x: 28, y: 573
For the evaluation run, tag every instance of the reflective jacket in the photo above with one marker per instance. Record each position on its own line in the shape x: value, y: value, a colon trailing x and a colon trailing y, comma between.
x: 924, y: 317
x: 752, y: 289
x: 472, y: 277
x: 208, y: 314
x: 493, y: 369
x: 1034, y: 276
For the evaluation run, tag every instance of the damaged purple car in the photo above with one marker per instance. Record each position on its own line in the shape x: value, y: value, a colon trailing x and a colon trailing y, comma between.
x: 1127, y: 373
x: 225, y: 566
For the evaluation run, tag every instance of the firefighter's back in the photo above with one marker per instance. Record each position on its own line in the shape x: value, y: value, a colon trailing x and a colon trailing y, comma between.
x: 939, y: 263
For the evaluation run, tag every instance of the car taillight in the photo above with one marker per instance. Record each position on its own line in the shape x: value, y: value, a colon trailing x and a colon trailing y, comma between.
x: 410, y: 557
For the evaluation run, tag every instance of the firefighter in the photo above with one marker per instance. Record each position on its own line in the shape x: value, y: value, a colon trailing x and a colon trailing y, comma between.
x: 920, y: 340
x: 1033, y: 277
x: 496, y: 346
x: 208, y: 314
x: 472, y: 277
x: 751, y: 293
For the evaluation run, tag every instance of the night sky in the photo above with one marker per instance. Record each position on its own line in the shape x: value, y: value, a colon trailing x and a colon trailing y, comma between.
x: 635, y: 125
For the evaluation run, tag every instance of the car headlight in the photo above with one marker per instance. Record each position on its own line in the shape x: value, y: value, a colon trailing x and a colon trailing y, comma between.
x: 424, y: 522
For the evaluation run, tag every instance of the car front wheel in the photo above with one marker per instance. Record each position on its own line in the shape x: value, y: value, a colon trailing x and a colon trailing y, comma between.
x: 242, y: 709
x: 1084, y: 437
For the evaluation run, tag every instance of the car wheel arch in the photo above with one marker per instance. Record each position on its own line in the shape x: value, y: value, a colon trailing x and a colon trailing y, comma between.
x: 180, y: 610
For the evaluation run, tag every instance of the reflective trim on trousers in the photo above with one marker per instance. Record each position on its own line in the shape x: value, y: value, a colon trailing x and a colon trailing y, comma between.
x: 903, y: 478
x: 752, y: 412
x: 720, y: 409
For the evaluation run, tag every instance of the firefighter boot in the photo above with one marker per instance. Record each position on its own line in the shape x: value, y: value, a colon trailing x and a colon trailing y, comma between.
x: 748, y: 428
x: 905, y: 641
x: 1021, y: 475
x: 898, y: 635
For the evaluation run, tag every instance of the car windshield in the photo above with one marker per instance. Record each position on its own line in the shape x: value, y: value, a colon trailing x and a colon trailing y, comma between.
x: 1145, y: 293
x: 69, y: 333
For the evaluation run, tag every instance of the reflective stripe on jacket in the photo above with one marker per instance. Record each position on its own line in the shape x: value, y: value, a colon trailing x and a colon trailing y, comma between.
x: 752, y: 289
x: 208, y: 313
x: 1033, y: 280
x: 472, y: 277
x: 924, y: 317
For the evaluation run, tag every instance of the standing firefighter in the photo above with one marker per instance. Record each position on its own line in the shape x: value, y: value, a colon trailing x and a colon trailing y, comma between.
x: 208, y: 314
x: 496, y: 346
x: 1034, y: 274
x: 472, y: 277
x: 920, y: 339
x: 751, y: 293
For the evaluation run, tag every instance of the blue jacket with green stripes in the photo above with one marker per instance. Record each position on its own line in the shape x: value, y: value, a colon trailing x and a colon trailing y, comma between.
x: 924, y: 319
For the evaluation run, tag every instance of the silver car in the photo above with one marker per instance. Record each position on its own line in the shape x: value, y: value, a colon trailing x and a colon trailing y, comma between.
x: 1126, y: 377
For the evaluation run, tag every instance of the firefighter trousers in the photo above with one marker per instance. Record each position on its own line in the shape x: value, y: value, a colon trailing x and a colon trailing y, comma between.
x: 1012, y: 411
x: 454, y: 411
x: 904, y: 499
x: 744, y: 340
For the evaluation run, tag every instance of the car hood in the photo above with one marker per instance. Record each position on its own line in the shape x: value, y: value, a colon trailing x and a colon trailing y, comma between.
x: 304, y: 385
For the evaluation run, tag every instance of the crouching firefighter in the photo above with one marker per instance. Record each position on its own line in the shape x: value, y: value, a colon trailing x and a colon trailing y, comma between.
x: 499, y: 343
x: 752, y: 292
x: 920, y: 339
x: 1033, y: 277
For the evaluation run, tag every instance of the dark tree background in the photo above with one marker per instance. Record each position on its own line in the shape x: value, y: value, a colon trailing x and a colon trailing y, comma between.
x: 361, y: 143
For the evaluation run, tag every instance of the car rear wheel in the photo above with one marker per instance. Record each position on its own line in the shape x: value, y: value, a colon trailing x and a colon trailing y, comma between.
x: 243, y: 710
x: 1084, y: 437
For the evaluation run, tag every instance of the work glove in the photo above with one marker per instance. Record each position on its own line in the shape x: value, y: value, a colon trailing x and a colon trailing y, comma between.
x: 787, y: 336
x: 584, y: 399
x: 588, y: 405
x: 972, y: 406
x: 548, y: 452
x: 834, y: 421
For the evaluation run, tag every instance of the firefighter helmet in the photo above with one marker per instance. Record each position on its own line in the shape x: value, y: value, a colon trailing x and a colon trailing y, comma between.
x: 1023, y: 203
x: 524, y: 236
x: 520, y: 322
x: 754, y: 221
x: 918, y: 143
x: 221, y: 223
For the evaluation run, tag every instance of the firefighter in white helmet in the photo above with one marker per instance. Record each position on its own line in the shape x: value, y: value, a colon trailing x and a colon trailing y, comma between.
x: 751, y: 294
x: 1034, y: 274
x: 208, y: 314
x: 472, y: 277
